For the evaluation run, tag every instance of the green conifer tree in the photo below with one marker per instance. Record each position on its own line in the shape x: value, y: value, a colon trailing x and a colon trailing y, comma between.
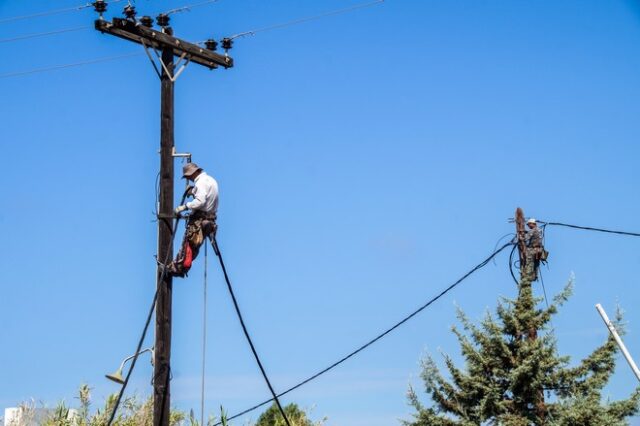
x: 514, y: 375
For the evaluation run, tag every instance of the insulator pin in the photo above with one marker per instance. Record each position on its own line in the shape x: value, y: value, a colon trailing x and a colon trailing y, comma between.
x: 211, y: 44
x: 146, y: 21
x: 227, y: 43
x: 162, y: 20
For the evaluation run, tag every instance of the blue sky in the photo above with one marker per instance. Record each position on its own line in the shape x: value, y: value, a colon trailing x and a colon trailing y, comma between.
x: 365, y: 162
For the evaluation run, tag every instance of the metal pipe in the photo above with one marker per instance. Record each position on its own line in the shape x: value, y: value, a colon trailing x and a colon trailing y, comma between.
x: 139, y: 353
x: 619, y: 341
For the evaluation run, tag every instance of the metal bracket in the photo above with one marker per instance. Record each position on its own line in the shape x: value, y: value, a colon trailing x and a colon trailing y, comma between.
x: 173, y: 77
x: 175, y: 154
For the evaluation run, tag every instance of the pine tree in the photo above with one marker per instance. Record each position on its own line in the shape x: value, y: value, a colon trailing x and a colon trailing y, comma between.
x: 514, y: 376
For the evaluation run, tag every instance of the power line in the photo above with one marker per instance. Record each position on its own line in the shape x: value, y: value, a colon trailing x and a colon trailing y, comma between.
x: 112, y: 58
x: 188, y: 7
x: 307, y: 19
x: 589, y: 228
x: 85, y: 27
x: 45, y: 34
x: 379, y: 336
x: 246, y: 332
x: 75, y: 64
x: 146, y: 327
x: 50, y: 12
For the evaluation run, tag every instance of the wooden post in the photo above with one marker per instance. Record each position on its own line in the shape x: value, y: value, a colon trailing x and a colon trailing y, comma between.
x: 520, y: 232
x: 162, y: 365
x: 526, y: 282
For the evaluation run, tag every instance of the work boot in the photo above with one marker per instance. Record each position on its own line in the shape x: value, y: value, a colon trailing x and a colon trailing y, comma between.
x: 171, y: 269
x: 175, y: 270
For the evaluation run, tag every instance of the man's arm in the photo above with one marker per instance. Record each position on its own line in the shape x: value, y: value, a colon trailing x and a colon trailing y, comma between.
x: 199, y: 195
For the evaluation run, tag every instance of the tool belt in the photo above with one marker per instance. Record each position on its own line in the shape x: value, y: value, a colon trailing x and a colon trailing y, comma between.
x: 543, y: 255
x: 199, y: 214
x: 200, y: 225
x: 538, y: 254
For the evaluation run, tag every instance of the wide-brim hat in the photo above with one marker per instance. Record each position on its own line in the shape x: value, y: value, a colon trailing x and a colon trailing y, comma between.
x: 189, y: 169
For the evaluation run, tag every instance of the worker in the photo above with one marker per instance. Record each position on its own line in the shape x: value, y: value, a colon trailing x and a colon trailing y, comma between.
x: 535, y: 251
x: 202, y: 219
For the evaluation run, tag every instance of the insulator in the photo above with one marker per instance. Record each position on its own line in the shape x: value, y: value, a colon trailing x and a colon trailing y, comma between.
x: 227, y: 43
x: 130, y: 11
x: 211, y: 44
x: 100, y: 6
x: 162, y: 20
x: 146, y: 21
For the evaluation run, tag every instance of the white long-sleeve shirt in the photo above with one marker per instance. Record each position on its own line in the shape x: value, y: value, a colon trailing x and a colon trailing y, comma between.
x: 205, y: 194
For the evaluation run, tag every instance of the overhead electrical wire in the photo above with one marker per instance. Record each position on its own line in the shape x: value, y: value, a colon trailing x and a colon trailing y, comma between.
x: 160, y: 279
x: 75, y: 64
x: 589, y: 228
x: 398, y: 324
x: 146, y: 328
x: 239, y: 35
x: 51, y: 12
x: 45, y: 34
x: 186, y: 8
x: 246, y: 332
x: 379, y: 336
x: 306, y: 19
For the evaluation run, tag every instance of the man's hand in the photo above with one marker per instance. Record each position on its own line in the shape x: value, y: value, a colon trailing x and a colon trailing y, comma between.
x: 180, y: 209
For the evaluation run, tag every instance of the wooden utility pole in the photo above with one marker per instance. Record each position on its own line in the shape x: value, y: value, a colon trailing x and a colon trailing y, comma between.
x: 154, y: 41
x: 520, y: 233
x: 162, y: 364
x: 526, y: 282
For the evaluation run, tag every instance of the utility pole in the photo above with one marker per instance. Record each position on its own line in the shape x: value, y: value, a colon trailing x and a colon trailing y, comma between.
x: 526, y: 283
x: 166, y: 48
x: 162, y: 362
x: 520, y: 233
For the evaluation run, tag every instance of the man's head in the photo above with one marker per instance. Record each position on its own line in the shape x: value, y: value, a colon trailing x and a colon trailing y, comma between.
x: 531, y: 223
x: 191, y: 171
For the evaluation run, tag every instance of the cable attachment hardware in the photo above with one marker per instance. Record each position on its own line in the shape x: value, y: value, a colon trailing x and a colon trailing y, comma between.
x: 100, y: 6
x: 130, y: 12
x: 163, y: 20
x: 211, y: 44
x: 146, y: 21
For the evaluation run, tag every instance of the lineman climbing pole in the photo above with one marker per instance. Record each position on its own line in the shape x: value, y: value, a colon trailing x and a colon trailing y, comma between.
x: 165, y: 47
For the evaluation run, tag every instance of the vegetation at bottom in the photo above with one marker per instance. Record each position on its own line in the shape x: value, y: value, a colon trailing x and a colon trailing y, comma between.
x: 514, y: 376
x: 136, y: 412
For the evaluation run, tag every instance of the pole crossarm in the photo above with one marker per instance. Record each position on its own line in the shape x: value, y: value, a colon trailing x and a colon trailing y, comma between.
x: 132, y: 31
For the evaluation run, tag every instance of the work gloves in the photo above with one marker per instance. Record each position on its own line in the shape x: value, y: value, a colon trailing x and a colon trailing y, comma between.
x: 180, y: 209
